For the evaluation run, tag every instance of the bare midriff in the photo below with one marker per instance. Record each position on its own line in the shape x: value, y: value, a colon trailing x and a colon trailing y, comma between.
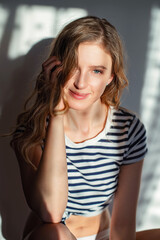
x: 82, y: 226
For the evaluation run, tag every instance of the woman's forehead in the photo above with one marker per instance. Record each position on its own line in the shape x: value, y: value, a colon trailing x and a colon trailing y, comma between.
x: 93, y: 53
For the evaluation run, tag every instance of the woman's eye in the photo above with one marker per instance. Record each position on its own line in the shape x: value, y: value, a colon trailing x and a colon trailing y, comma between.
x: 97, y: 71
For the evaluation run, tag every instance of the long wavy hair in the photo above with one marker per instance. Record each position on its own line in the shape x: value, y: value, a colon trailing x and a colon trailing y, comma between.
x: 31, y: 123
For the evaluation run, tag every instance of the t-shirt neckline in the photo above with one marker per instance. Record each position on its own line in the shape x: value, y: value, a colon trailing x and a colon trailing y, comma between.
x: 95, y: 139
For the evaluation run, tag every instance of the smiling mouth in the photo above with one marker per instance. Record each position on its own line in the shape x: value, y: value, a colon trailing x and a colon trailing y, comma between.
x: 79, y: 96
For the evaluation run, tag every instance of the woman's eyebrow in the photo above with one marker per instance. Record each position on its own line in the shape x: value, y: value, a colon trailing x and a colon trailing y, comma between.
x: 98, y: 66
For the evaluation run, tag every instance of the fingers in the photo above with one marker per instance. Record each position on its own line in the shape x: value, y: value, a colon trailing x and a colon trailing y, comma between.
x: 51, y: 68
x: 51, y: 65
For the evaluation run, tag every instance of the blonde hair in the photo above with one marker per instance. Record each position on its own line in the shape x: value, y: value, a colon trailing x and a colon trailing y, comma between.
x: 46, y: 94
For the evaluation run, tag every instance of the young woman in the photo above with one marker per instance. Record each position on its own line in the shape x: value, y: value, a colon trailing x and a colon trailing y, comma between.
x: 76, y: 147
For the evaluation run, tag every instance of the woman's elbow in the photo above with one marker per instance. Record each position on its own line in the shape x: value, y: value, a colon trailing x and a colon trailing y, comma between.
x: 50, y: 217
x: 46, y: 212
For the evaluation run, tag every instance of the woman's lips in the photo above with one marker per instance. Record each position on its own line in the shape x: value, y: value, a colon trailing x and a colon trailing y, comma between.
x: 79, y: 96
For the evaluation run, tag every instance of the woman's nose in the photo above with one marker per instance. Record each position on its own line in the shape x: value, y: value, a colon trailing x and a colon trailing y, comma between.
x: 80, y: 81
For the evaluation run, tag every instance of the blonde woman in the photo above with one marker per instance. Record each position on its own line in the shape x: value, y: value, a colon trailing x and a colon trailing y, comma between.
x: 76, y: 147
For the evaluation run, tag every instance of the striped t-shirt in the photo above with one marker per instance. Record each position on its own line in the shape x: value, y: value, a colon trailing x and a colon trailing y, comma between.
x: 94, y: 165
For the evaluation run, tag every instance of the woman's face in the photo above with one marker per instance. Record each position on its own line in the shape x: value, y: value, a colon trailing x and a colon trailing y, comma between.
x: 89, y: 80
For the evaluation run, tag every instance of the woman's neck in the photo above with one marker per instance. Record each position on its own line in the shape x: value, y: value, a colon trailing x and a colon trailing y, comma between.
x: 86, y: 121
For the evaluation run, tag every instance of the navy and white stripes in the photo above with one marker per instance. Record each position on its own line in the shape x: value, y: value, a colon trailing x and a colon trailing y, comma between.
x: 94, y: 165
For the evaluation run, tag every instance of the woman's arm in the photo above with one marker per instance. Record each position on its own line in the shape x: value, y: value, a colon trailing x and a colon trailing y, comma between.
x: 123, y: 220
x: 46, y: 189
x: 51, y: 182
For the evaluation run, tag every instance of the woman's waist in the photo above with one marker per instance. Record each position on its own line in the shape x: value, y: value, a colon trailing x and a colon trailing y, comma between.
x: 83, y: 226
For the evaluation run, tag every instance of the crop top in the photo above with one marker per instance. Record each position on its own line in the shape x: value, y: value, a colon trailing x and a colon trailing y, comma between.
x: 94, y: 165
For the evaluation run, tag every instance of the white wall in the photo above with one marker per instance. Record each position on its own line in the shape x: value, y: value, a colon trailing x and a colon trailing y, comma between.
x: 19, y: 64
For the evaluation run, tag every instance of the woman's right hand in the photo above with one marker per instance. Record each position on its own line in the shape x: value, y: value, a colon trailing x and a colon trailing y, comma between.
x: 51, y: 68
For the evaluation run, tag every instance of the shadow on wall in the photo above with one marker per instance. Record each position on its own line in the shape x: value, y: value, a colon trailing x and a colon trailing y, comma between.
x: 13, y: 208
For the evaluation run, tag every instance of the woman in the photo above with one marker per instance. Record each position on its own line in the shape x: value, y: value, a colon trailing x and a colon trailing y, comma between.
x: 76, y: 147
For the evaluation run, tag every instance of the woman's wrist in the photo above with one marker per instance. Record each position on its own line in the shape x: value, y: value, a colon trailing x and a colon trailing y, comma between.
x: 56, y: 122
x: 58, y: 117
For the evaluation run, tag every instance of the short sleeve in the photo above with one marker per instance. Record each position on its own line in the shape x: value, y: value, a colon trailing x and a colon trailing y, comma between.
x: 136, y: 144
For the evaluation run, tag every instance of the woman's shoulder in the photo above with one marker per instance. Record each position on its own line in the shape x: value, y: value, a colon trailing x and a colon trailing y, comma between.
x: 123, y: 114
x: 128, y: 134
x: 131, y: 131
x: 121, y: 111
x: 127, y: 121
